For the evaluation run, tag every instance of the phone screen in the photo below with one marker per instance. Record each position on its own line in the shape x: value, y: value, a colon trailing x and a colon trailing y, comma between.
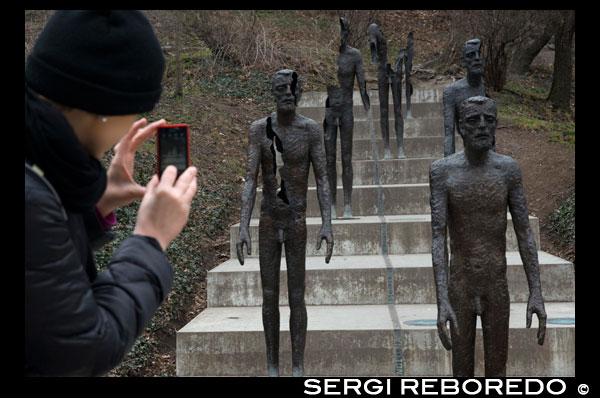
x: 173, y: 148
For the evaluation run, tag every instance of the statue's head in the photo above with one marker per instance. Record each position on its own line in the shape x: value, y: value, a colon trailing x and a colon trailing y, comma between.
x: 471, y: 57
x: 345, y: 30
x: 477, y: 122
x: 287, y: 90
x: 377, y: 41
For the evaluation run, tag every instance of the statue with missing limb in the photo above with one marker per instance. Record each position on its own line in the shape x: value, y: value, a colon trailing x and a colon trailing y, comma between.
x: 349, y: 66
x: 410, y: 53
x: 470, y: 192
x: 296, y: 141
x: 387, y: 76
x: 455, y: 93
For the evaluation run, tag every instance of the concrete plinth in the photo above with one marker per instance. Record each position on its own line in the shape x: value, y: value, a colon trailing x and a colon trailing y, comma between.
x: 364, y: 340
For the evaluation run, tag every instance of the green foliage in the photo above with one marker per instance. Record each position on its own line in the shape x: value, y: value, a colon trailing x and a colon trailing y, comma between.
x: 562, y: 221
x: 253, y: 85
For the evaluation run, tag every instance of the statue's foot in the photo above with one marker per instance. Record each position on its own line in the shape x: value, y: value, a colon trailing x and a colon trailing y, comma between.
x: 401, y: 154
x: 297, y: 372
x: 347, y: 211
x: 409, y: 115
x: 273, y: 371
x: 333, y: 212
x: 387, y: 154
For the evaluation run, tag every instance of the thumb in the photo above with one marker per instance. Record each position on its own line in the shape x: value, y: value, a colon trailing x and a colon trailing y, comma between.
x: 152, y: 184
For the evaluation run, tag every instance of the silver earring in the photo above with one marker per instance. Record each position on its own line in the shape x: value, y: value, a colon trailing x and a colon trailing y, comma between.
x: 103, y: 119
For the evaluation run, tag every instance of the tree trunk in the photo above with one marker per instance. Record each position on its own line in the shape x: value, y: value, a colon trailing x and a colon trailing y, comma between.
x: 525, y: 56
x: 178, y: 64
x: 560, y: 93
x: 458, y: 36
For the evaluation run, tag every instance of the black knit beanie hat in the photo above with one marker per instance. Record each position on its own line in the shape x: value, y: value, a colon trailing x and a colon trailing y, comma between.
x: 104, y: 62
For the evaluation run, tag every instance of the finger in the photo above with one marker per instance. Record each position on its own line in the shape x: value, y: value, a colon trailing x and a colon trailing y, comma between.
x: 126, y: 140
x: 319, y: 240
x: 185, y: 179
x: 168, y: 176
x: 541, y: 329
x: 249, y: 246
x: 444, y: 335
x: 152, y: 184
x: 191, y: 190
x: 329, y: 252
x: 454, y: 322
x: 529, y: 316
x: 145, y: 133
x: 240, y: 252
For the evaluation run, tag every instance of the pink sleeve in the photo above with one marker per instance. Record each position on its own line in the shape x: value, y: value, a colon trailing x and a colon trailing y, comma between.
x: 108, y: 221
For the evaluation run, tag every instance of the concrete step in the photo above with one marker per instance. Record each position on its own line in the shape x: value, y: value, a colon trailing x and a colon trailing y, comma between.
x: 419, y: 110
x: 364, y: 280
x: 365, y: 340
x: 414, y: 147
x: 402, y: 199
x: 391, y: 171
x: 424, y: 127
x: 419, y: 95
x: 363, y: 235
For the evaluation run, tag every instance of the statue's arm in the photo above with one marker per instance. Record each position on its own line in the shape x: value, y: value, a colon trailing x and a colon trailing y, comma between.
x: 249, y: 190
x: 362, y: 85
x: 319, y: 165
x: 449, y: 121
x: 527, y: 249
x: 439, y: 223
x: 439, y: 250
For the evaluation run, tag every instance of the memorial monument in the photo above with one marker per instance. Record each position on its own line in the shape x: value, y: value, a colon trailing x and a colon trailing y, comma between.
x: 455, y: 93
x: 470, y: 192
x: 296, y: 141
x: 349, y: 66
x: 387, y: 76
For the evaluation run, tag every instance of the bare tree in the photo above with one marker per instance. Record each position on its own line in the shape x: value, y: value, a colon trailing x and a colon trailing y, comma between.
x: 499, y: 31
x: 542, y: 31
x: 458, y: 36
x: 560, y: 92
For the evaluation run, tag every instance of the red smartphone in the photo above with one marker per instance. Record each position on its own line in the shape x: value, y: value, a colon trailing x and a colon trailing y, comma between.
x: 173, y: 148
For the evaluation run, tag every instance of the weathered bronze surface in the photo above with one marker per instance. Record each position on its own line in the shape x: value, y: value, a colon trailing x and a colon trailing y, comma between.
x: 455, y: 93
x: 470, y: 192
x: 386, y: 76
x: 296, y: 141
x: 349, y: 65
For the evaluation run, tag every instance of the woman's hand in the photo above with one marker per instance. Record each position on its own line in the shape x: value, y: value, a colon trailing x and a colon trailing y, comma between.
x: 121, y: 189
x: 165, y: 207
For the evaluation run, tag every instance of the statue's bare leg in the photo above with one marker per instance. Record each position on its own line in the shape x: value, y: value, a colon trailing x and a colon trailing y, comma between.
x: 383, y: 87
x: 330, y: 153
x: 494, y: 321
x: 463, y: 344
x: 295, y: 257
x: 346, y: 131
x: 270, y: 260
x: 398, y: 120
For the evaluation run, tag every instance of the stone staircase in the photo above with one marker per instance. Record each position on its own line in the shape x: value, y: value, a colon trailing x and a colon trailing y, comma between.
x: 371, y: 310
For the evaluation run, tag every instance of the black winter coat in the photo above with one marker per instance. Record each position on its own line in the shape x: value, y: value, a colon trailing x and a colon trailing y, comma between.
x: 77, y: 323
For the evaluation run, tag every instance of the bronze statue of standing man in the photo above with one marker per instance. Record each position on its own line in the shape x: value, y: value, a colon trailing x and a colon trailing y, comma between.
x: 341, y: 116
x: 387, y: 76
x: 470, y: 192
x: 469, y: 86
x: 296, y: 140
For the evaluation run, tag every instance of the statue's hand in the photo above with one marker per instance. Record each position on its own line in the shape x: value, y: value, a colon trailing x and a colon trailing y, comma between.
x: 535, y: 304
x: 445, y: 314
x: 326, y: 234
x: 243, y: 237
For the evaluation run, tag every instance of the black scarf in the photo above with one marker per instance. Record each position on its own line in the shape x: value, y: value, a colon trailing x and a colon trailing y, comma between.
x: 51, y: 144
